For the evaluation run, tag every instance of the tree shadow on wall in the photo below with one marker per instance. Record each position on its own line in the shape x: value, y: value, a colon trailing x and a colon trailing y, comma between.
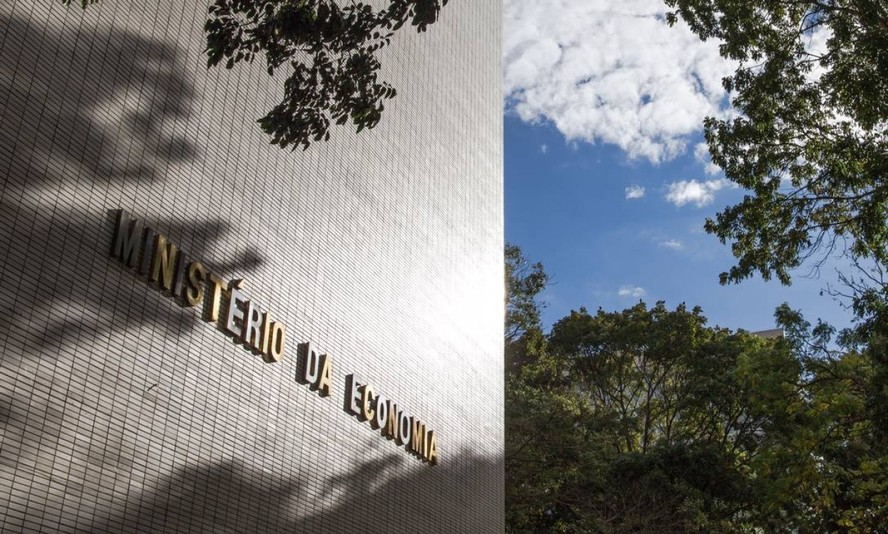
x: 88, y: 116
x: 230, y: 496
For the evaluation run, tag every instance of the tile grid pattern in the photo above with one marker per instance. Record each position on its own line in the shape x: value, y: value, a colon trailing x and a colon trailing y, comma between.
x: 121, y: 411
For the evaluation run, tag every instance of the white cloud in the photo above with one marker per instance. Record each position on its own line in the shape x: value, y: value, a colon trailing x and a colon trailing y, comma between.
x: 673, y: 244
x: 618, y: 75
x: 692, y: 191
x: 701, y: 154
x: 632, y: 291
x: 816, y: 45
x: 544, y: 148
x: 634, y: 191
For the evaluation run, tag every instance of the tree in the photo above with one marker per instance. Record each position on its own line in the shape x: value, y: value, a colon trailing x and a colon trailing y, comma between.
x: 524, y: 283
x: 839, y: 454
x: 811, y: 141
x: 327, y: 49
x: 811, y: 147
x: 650, y: 420
x: 646, y: 420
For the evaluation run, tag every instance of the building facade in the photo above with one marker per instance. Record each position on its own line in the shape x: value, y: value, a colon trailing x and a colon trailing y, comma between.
x: 205, y: 333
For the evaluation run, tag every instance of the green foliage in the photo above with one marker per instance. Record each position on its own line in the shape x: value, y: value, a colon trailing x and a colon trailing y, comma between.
x: 810, y: 144
x: 328, y: 50
x: 524, y: 283
x: 811, y: 147
x: 643, y: 420
x: 647, y: 420
x: 838, y: 448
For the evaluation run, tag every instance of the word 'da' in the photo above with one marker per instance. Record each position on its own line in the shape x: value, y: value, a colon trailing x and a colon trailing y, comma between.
x: 362, y: 401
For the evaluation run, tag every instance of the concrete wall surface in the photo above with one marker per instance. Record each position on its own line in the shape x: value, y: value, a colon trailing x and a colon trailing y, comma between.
x: 121, y: 410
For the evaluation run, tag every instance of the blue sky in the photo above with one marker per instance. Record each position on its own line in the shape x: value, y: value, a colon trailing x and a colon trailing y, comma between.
x: 607, y: 181
x: 566, y: 206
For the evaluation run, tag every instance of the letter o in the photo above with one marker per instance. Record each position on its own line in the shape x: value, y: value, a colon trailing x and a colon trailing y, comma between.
x: 382, y: 409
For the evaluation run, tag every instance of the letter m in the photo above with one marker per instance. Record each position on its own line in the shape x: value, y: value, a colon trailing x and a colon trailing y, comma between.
x: 127, y: 239
x: 418, y: 441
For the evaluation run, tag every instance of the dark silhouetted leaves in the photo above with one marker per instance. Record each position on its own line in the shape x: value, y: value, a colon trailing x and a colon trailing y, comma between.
x: 811, y: 141
x: 328, y: 51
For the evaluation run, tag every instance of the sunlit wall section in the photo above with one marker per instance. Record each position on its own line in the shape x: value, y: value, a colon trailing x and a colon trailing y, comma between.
x: 122, y: 409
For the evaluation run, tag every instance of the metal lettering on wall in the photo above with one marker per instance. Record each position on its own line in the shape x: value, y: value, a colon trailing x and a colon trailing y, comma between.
x: 250, y: 324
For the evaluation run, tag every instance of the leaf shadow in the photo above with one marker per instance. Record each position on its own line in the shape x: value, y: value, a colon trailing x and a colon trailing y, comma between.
x: 88, y: 116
